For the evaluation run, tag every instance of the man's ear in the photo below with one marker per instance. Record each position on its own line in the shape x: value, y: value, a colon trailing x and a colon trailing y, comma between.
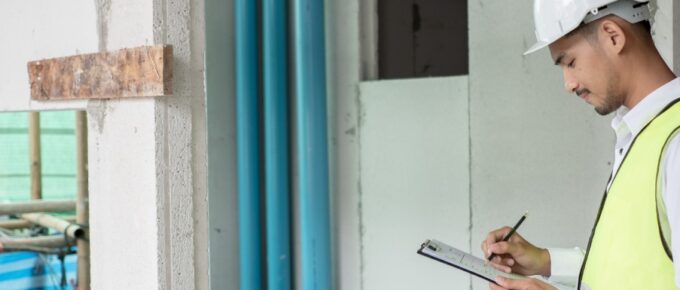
x: 611, y: 36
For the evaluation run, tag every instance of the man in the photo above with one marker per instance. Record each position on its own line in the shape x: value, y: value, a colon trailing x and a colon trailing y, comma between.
x: 608, y: 58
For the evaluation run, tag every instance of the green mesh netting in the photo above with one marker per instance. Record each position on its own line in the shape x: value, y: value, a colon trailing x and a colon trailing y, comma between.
x: 57, y: 140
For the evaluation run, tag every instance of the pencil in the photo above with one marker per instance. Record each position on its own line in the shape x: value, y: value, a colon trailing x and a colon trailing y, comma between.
x: 509, y: 234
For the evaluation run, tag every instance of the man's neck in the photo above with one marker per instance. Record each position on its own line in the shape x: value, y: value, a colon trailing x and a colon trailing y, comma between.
x: 646, y: 74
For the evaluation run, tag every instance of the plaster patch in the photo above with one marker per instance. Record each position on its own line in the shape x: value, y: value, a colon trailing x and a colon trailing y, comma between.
x: 103, y: 8
x: 96, y: 110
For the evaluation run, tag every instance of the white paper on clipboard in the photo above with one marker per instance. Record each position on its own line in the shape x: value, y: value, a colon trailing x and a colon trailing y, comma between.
x: 476, y: 266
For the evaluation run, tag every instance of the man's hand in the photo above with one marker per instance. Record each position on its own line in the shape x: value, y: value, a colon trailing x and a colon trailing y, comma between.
x: 516, y: 255
x: 523, y: 284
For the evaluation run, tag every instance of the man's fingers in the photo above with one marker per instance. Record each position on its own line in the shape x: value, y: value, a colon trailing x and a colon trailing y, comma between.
x: 496, y: 260
x: 493, y: 286
x: 502, y: 248
x: 498, y: 234
x: 520, y: 284
x: 485, y: 245
x: 493, y: 237
x: 509, y: 283
x: 502, y: 268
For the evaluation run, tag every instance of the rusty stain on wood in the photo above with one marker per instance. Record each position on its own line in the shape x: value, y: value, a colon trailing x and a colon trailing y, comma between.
x: 133, y: 72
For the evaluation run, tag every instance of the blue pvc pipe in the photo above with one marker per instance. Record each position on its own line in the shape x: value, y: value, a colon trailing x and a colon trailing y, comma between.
x: 312, y: 144
x: 277, y: 188
x: 245, y: 18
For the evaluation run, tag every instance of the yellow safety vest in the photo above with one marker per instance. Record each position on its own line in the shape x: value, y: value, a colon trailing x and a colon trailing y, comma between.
x: 627, y: 249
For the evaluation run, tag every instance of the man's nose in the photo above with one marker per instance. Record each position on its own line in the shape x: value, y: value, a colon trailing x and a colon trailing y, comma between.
x: 570, y: 83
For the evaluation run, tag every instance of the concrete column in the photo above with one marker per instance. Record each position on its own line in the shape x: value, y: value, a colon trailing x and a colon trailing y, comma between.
x: 221, y: 104
x: 147, y: 164
x: 344, y: 74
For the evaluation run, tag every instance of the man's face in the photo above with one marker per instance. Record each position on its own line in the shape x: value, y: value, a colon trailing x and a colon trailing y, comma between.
x: 588, y: 72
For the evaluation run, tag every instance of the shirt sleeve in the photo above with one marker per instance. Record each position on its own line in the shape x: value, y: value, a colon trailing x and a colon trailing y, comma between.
x: 565, y: 265
x: 671, y: 196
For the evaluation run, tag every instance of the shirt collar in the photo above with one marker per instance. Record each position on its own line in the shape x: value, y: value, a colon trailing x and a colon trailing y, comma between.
x: 637, y: 118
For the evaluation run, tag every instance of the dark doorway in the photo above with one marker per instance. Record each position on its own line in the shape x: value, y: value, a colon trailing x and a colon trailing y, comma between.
x: 421, y: 38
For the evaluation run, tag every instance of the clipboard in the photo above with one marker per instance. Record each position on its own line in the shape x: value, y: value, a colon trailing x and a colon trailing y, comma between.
x: 468, y: 263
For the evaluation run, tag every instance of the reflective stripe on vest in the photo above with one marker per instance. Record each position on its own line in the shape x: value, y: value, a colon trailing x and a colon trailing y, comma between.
x: 626, y: 250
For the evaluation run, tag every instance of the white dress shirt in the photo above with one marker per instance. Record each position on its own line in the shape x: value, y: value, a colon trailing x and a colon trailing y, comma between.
x: 627, y: 124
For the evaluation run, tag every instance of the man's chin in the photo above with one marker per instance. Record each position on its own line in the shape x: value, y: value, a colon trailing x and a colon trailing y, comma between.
x: 604, y: 111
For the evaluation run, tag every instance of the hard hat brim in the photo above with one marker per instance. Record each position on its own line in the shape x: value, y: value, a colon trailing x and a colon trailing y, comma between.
x: 536, y: 47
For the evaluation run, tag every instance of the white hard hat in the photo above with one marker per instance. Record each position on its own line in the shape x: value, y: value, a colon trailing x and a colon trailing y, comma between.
x: 556, y: 18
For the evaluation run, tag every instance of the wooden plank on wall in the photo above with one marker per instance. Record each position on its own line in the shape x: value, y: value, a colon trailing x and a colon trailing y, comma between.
x: 132, y: 72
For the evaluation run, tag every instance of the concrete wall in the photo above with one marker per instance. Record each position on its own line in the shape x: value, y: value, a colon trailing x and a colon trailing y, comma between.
x: 37, y: 29
x: 148, y: 169
x: 665, y: 25
x: 415, y: 179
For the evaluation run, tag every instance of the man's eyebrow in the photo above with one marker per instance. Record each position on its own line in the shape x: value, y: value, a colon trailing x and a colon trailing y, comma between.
x: 559, y: 58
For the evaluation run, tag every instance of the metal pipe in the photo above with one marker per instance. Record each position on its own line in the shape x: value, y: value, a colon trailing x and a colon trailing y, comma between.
x: 277, y: 185
x: 34, y: 148
x: 22, y: 224
x: 73, y: 231
x: 312, y: 144
x: 82, y: 201
x: 37, y: 206
x: 11, y: 244
x: 248, y: 162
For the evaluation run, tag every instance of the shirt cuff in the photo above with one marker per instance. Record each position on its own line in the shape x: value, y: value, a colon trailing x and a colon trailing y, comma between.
x: 565, y: 265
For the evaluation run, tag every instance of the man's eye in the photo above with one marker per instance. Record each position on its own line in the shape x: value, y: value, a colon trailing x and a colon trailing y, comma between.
x: 571, y: 64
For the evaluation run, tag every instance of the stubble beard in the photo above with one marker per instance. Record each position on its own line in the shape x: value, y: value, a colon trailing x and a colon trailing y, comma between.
x: 613, y: 100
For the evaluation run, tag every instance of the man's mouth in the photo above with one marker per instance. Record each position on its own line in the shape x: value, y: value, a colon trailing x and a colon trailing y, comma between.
x: 583, y: 94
